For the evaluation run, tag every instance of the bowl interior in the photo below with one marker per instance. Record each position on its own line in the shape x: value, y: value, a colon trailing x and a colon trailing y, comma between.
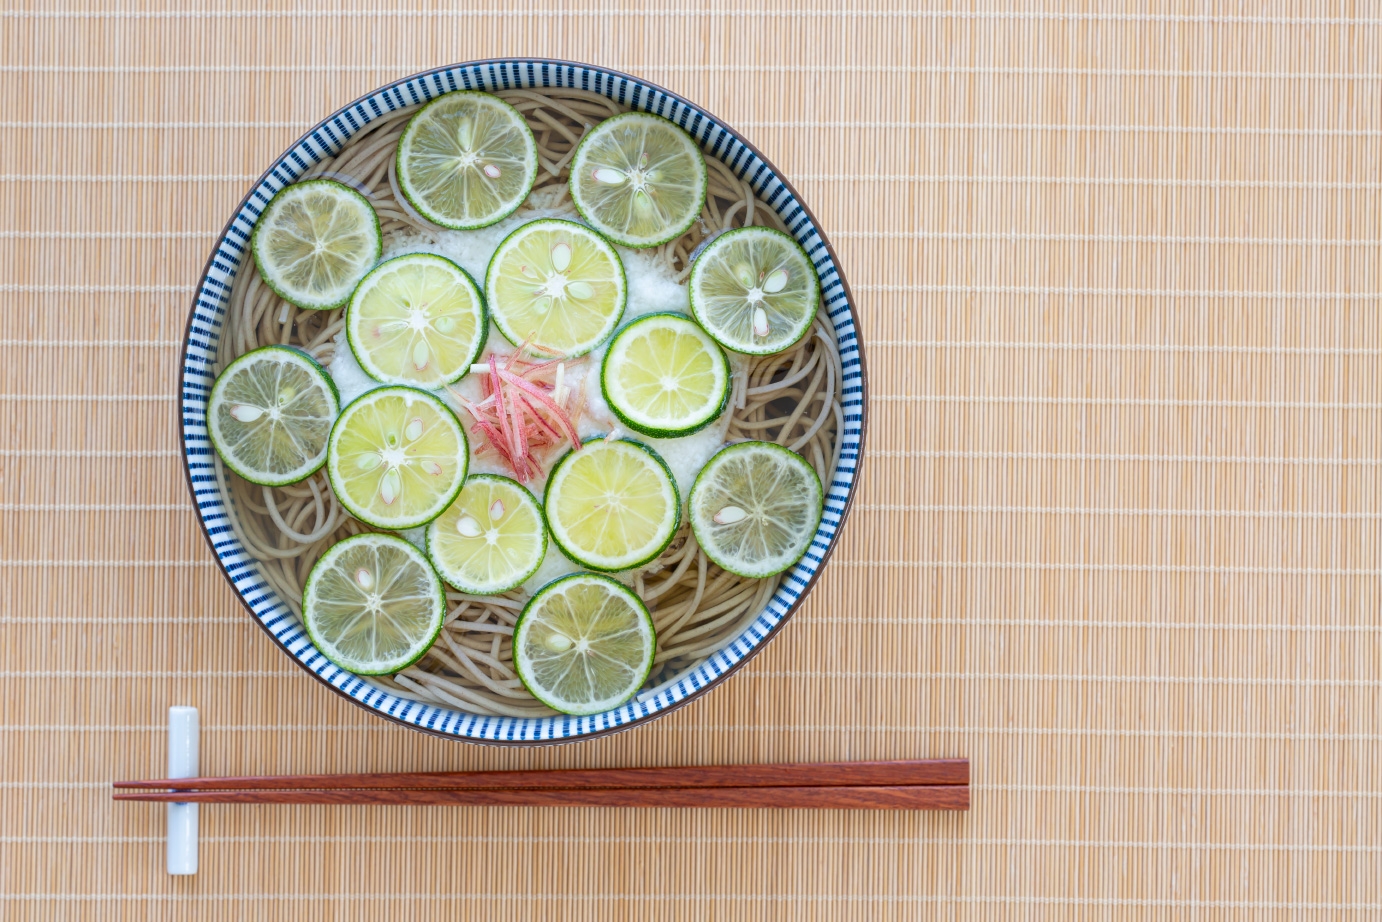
x: 206, y: 322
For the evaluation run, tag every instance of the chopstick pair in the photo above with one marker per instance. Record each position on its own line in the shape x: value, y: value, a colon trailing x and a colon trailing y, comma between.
x: 924, y: 784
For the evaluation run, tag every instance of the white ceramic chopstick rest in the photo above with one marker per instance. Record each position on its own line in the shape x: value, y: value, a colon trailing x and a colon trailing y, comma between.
x: 183, y: 730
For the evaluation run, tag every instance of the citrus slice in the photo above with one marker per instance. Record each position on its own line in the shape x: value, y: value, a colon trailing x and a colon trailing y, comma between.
x: 314, y: 243
x: 270, y: 413
x: 373, y: 604
x: 755, y: 508
x: 397, y: 457
x: 638, y: 179
x: 754, y: 290
x: 664, y: 377
x: 466, y: 160
x: 612, y: 504
x: 556, y: 285
x: 417, y: 319
x: 491, y: 539
x: 583, y: 644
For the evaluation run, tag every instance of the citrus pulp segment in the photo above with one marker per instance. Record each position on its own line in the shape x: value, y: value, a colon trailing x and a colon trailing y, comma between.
x: 584, y: 644
x: 397, y: 457
x: 638, y: 179
x: 612, y: 504
x: 664, y: 377
x: 755, y: 508
x: 557, y: 286
x: 754, y: 290
x: 373, y: 604
x: 315, y: 241
x: 270, y: 413
x: 417, y: 319
x: 466, y: 160
x: 491, y: 538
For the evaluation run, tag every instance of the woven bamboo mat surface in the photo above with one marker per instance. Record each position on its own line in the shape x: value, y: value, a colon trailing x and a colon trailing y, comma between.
x: 1118, y: 540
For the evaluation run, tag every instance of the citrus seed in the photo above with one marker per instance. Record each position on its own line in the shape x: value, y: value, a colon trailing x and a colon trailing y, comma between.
x: 729, y: 515
x: 561, y: 257
x: 388, y: 490
x: 760, y: 322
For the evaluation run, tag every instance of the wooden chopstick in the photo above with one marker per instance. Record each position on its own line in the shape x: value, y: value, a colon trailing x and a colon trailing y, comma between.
x: 805, y: 774
x: 868, y: 797
x: 922, y: 784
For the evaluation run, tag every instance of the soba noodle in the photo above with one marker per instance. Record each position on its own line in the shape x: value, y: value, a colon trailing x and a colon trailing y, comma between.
x: 792, y: 398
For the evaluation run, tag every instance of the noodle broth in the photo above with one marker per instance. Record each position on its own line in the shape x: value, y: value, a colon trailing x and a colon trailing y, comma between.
x: 793, y: 398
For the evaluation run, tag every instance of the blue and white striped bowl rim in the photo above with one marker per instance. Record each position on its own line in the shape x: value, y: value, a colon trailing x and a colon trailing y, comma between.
x: 208, y: 312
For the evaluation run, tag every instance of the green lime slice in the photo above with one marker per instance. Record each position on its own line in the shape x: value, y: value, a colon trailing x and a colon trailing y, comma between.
x: 373, y: 604
x: 584, y: 644
x: 270, y: 413
x: 612, y: 504
x: 314, y: 243
x: 556, y: 285
x: 754, y: 290
x: 417, y: 319
x: 664, y: 377
x: 397, y: 457
x: 638, y: 179
x: 755, y: 508
x: 491, y: 539
x: 466, y: 160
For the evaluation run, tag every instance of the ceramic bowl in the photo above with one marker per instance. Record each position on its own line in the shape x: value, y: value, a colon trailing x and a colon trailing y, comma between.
x: 229, y: 256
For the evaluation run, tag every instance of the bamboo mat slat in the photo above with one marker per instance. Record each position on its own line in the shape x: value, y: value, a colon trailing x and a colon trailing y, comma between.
x: 1118, y: 271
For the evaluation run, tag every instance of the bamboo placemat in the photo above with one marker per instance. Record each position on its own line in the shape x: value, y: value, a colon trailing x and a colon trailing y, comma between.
x: 1118, y: 540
